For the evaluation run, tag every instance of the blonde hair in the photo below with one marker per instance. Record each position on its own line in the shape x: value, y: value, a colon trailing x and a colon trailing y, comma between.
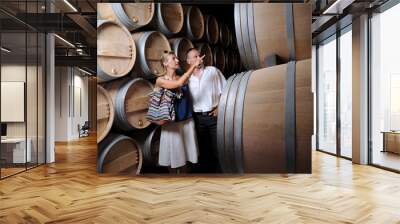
x: 164, y: 57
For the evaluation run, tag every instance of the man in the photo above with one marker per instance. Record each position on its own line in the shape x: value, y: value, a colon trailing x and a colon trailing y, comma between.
x: 205, y: 86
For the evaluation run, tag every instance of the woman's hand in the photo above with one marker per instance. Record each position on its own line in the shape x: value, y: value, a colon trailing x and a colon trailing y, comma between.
x: 199, y: 61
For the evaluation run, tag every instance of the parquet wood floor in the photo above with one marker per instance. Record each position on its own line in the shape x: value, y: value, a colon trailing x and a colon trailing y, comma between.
x: 70, y: 191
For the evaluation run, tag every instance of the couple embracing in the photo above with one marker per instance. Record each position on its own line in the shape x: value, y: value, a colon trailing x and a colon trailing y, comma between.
x: 192, y: 136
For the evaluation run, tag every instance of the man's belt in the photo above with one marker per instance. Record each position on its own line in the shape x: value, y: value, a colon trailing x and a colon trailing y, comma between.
x: 203, y: 113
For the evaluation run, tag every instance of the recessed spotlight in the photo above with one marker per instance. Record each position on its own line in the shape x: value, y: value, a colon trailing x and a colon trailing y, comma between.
x: 70, y: 5
x: 64, y: 40
x: 84, y: 71
x: 5, y: 49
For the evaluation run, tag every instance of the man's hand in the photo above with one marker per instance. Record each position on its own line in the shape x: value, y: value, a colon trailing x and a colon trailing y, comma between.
x: 214, y: 112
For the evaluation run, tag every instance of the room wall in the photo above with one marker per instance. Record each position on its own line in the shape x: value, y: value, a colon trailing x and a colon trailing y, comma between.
x: 69, y: 112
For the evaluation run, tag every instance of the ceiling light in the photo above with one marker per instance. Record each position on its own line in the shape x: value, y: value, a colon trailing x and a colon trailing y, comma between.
x: 84, y: 71
x: 70, y: 5
x: 338, y: 6
x: 65, y: 41
x: 5, y: 50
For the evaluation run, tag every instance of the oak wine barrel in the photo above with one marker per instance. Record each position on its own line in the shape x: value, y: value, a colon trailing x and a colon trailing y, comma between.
x: 131, y: 15
x: 219, y: 58
x: 211, y: 29
x: 230, y: 62
x: 265, y: 120
x: 130, y: 99
x: 205, y: 49
x: 225, y: 36
x: 169, y: 18
x: 150, y: 46
x: 149, y: 141
x: 238, y: 62
x: 116, y: 51
x: 233, y: 41
x: 180, y: 46
x: 119, y: 154
x: 105, y: 113
x: 194, y: 23
x: 265, y: 30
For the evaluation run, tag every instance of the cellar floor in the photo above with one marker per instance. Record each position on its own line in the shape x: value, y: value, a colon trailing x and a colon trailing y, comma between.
x: 70, y: 191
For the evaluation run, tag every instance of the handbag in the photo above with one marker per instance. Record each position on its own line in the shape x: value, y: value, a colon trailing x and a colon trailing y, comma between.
x: 161, y: 106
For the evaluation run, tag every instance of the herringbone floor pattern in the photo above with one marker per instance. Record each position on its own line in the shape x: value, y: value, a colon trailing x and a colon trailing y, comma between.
x: 70, y: 191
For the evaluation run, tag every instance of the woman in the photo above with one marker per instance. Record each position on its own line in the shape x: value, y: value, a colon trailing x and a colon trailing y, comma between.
x: 178, y: 141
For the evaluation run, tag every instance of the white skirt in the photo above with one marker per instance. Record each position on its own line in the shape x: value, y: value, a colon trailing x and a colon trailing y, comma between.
x: 178, y: 144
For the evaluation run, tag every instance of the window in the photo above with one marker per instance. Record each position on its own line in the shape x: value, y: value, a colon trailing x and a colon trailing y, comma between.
x: 327, y: 95
x: 385, y: 89
x: 345, y: 42
x: 334, y: 94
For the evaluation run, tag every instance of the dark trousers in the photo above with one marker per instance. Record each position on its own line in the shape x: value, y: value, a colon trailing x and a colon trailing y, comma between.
x: 206, y: 130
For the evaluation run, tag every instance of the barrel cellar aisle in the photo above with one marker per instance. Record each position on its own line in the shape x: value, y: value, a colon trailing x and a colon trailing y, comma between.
x: 263, y: 50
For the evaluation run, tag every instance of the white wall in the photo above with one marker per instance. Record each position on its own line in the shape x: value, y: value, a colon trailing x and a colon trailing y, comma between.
x: 71, y: 93
x: 61, y: 103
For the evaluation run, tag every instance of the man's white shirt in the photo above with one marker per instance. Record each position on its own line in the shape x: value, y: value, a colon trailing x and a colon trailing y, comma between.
x: 206, y: 90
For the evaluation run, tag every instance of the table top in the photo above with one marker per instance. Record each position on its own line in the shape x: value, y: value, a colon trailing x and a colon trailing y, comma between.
x: 391, y: 132
x: 13, y: 140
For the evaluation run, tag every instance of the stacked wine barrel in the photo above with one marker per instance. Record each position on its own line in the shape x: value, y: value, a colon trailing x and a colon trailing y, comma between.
x: 265, y: 115
x: 131, y: 38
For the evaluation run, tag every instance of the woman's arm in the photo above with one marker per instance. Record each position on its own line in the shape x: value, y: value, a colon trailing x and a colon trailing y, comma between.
x: 173, y: 84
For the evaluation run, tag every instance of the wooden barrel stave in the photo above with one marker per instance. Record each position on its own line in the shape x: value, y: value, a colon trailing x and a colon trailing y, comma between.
x: 261, y: 32
x: 266, y: 98
x: 211, y: 29
x: 180, y: 46
x: 124, y: 93
x: 105, y: 113
x: 254, y: 134
x: 304, y: 117
x: 229, y: 62
x: 248, y: 43
x: 149, y: 141
x: 119, y: 154
x: 151, y: 147
x: 238, y: 122
x: 150, y: 47
x: 222, y: 108
x: 194, y: 23
x: 224, y: 35
x: 219, y: 58
x: 238, y: 30
x: 131, y: 15
x: 230, y: 125
x: 115, y: 58
x: 169, y: 18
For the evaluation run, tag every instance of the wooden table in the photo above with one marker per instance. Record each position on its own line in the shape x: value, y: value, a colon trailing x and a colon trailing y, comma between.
x: 391, y: 141
x: 13, y: 150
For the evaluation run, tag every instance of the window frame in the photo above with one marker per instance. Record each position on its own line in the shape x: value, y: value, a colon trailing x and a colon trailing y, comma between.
x: 333, y: 34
